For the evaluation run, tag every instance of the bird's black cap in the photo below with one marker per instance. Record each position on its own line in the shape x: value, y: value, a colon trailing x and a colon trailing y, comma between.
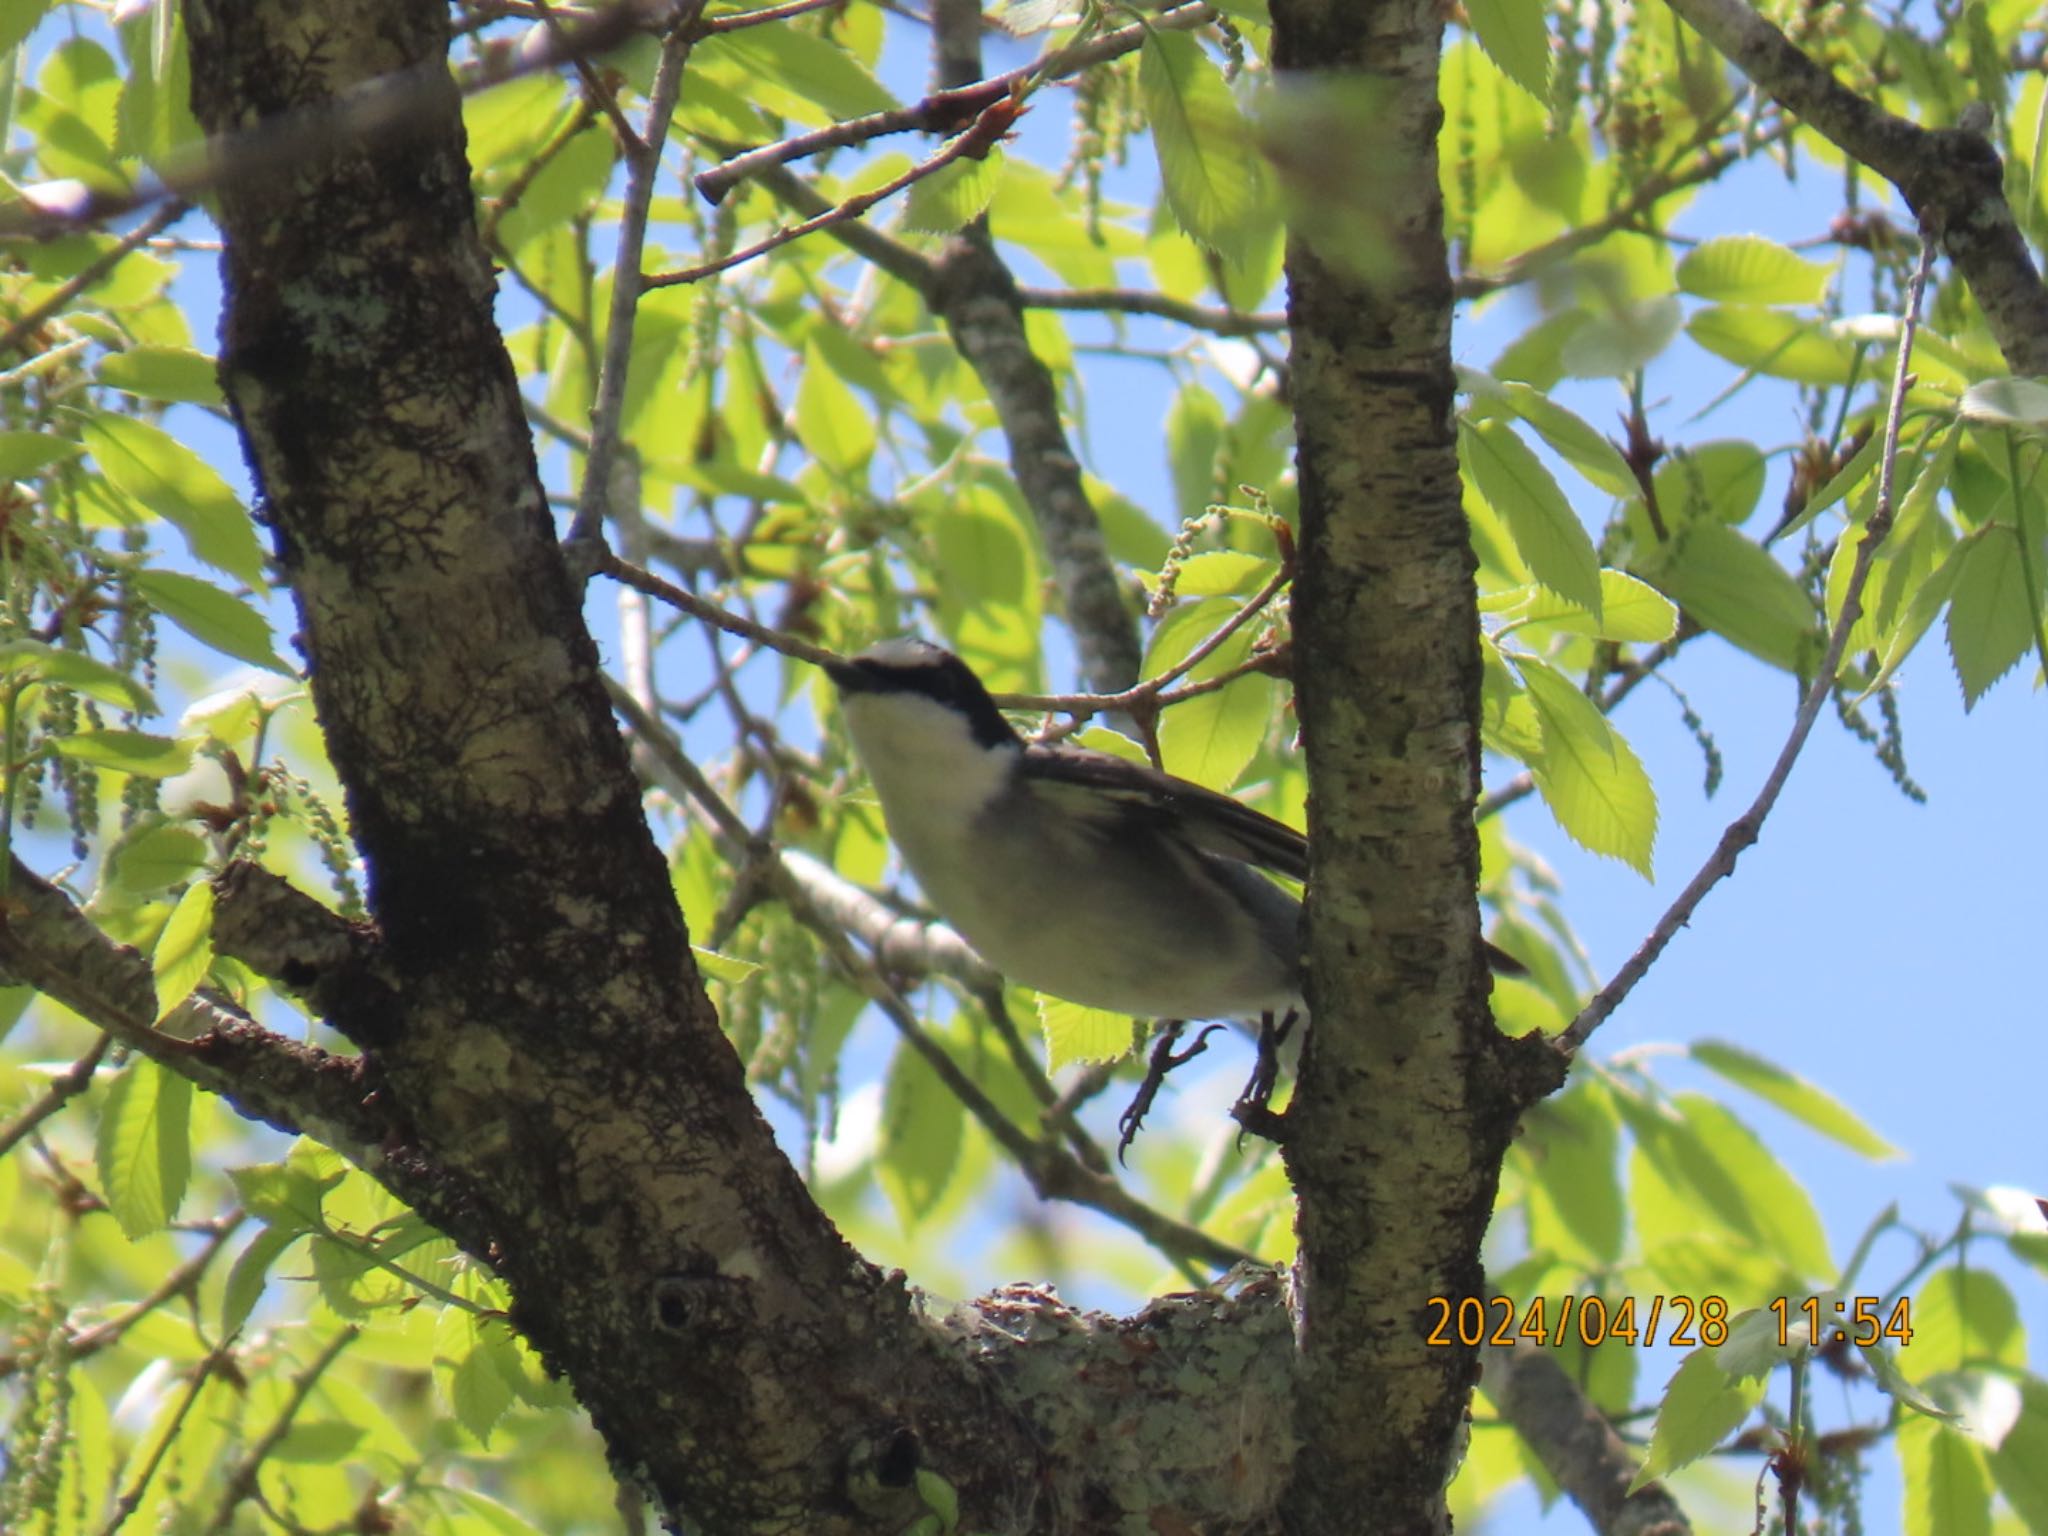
x: 910, y: 665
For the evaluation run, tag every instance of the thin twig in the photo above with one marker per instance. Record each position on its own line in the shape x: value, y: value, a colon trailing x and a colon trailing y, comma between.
x: 94, y: 270
x: 241, y: 1481
x: 766, y: 14
x: 1138, y: 301
x: 131, y: 1499
x: 944, y: 111
x: 975, y: 142
x: 643, y: 166
x: 180, y: 1281
x: 64, y: 1087
x: 1744, y: 830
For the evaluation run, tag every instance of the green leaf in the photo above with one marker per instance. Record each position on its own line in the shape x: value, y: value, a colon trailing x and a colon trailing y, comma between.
x: 172, y: 481
x: 1572, y: 438
x: 286, y: 1195
x: 1810, y: 1105
x: 1961, y: 1318
x: 1588, y: 775
x: 472, y: 1383
x: 1748, y: 269
x: 2006, y: 403
x: 1736, y: 1180
x: 144, y: 1147
x: 317, y: 1442
x: 212, y: 617
x: 1222, y: 573
x: 26, y: 453
x: 1512, y: 33
x: 1947, y: 1481
x: 184, y: 950
x: 955, y: 194
x: 1573, y: 1145
x: 18, y: 18
x: 1631, y: 611
x: 250, y: 1273
x: 830, y: 418
x: 132, y: 752
x: 788, y: 69
x: 1547, y: 533
x: 1720, y: 480
x: 2020, y: 1464
x: 31, y: 660
x: 1074, y: 1033
x: 163, y: 373
x: 1702, y: 1406
x: 1733, y: 587
x: 157, y: 857
x: 1990, y: 613
x: 1212, y: 737
x: 726, y: 968
x: 1772, y: 342
x: 922, y: 1125
x: 1209, y: 160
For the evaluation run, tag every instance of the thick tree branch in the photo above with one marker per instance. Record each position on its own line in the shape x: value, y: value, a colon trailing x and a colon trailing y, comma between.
x: 48, y: 943
x: 1950, y: 177
x: 1576, y: 1445
x: 1408, y: 1093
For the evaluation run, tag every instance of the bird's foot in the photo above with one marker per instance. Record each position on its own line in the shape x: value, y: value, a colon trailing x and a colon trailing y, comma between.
x: 1253, y: 1110
x: 1163, y: 1060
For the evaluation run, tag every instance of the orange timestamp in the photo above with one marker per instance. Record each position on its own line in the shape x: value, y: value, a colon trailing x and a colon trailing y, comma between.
x: 1553, y: 1321
x: 1840, y: 1319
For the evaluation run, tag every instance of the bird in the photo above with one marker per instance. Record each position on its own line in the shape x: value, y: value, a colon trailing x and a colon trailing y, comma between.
x: 1074, y: 872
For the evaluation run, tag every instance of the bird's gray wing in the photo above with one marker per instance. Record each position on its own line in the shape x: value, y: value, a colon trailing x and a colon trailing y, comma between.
x: 1099, y: 786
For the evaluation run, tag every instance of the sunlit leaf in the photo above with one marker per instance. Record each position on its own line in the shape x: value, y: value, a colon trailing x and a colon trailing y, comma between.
x: 1804, y: 1101
x: 1748, y: 269
x: 1513, y: 34
x: 1588, y: 775
x: 184, y: 950
x: 177, y: 485
x: 1077, y: 1034
x: 1702, y: 1406
x: 1547, y: 533
x: 1209, y: 161
x: 144, y: 1146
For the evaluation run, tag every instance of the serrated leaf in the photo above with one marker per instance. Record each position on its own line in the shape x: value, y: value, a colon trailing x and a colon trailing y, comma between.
x: 163, y: 373
x: 1753, y: 1348
x: 169, y: 479
x: 1946, y: 1481
x: 1964, y: 1317
x: 2006, y: 403
x: 1732, y: 586
x: 956, y: 194
x: 18, y: 18
x: 729, y: 969
x: 1748, y: 269
x: 250, y: 1273
x: 1222, y: 573
x: 132, y: 752
x: 144, y: 1147
x: 471, y: 1382
x: 1990, y: 613
x: 1884, y: 1370
x: 1548, y: 534
x: 31, y: 659
x: 1077, y: 1034
x: 1772, y: 342
x: 1631, y: 611
x: 156, y: 858
x: 808, y: 74
x: 1702, y: 1406
x: 1841, y: 483
x: 1572, y: 438
x: 1209, y: 161
x: 184, y: 950
x: 1805, y: 1102
x: 286, y: 1195
x: 1588, y: 775
x: 2020, y: 1464
x: 830, y: 418
x: 1513, y: 34
x: 922, y: 1124
x: 1720, y: 480
x: 1749, y: 1188
x: 27, y: 453
x: 1573, y: 1144
x: 212, y: 617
